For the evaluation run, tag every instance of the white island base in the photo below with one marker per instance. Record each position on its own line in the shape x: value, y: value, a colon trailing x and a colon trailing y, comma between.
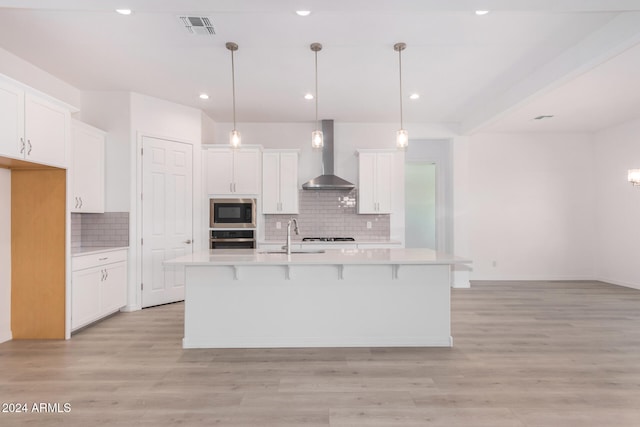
x: 272, y: 300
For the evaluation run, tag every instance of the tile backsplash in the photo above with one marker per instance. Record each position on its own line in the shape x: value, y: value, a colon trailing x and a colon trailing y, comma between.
x: 100, y: 230
x: 329, y: 213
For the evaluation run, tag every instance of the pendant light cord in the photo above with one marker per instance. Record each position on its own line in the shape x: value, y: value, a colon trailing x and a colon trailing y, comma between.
x: 316, y: 62
x: 233, y: 89
x: 400, y: 67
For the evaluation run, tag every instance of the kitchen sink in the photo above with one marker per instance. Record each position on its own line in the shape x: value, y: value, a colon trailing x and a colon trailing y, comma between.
x: 293, y: 251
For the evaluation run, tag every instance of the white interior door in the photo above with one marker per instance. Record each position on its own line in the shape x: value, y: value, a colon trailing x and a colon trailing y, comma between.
x: 167, y: 217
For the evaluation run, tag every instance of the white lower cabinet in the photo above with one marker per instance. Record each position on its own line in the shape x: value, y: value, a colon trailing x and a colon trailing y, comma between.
x: 98, y: 286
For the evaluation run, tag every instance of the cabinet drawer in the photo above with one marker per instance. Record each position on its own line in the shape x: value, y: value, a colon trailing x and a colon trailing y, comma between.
x: 80, y: 262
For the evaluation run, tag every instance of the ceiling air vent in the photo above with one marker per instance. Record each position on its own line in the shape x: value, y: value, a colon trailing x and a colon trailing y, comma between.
x: 198, y: 25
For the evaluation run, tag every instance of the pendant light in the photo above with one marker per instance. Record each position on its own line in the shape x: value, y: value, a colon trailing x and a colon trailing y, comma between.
x: 234, y: 137
x: 317, y: 140
x: 402, y: 136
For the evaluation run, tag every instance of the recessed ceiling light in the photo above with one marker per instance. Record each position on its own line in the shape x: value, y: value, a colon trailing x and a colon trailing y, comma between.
x: 481, y: 12
x: 414, y: 96
x: 303, y: 12
x: 308, y: 96
x: 124, y: 11
x: 204, y: 96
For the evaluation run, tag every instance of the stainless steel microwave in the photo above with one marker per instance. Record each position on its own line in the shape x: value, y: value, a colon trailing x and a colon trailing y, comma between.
x: 232, y: 213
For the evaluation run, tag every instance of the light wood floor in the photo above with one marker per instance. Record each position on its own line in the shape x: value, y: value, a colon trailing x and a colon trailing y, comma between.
x: 526, y: 354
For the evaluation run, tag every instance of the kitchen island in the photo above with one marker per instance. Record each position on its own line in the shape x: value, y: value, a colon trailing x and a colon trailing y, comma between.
x: 243, y: 298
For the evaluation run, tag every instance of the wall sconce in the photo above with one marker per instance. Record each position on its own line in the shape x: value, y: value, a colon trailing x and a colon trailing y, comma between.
x: 634, y: 176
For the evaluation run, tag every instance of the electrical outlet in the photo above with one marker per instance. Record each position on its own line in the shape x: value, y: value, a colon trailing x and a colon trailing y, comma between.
x: 368, y: 224
x: 278, y: 225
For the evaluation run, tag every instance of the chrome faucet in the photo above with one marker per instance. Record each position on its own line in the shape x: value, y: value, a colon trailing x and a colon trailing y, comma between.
x: 287, y: 246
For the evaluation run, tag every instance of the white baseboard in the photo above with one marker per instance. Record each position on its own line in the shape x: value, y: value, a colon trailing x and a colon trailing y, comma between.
x: 619, y: 283
x: 557, y: 279
x: 5, y: 336
x: 129, y: 308
x: 312, y: 342
x: 460, y: 279
x: 533, y: 278
x: 463, y: 285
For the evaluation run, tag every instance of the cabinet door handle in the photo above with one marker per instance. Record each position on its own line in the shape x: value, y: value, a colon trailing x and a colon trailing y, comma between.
x: 80, y: 202
x: 188, y: 241
x: 103, y: 258
x: 234, y: 187
x: 102, y: 273
x: 106, y: 274
x: 22, y: 146
x: 76, y: 202
x: 230, y: 187
x: 30, y: 147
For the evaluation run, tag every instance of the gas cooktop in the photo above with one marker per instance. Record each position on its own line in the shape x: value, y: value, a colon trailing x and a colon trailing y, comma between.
x: 328, y: 239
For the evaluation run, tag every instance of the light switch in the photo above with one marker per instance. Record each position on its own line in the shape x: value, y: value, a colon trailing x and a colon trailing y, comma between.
x: 368, y: 224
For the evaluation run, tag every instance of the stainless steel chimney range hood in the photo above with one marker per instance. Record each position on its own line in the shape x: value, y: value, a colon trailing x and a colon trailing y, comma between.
x: 328, y: 181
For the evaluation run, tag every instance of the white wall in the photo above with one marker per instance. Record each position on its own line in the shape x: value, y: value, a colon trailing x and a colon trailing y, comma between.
x: 208, y: 129
x: 161, y: 119
x: 27, y: 73
x: 618, y: 209
x: 153, y: 116
x: 127, y: 117
x: 277, y: 135
x: 5, y: 255
x: 348, y: 138
x: 111, y: 112
x: 532, y: 206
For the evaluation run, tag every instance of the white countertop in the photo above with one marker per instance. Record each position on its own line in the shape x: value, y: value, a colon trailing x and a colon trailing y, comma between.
x: 89, y: 250
x: 336, y: 243
x: 236, y: 257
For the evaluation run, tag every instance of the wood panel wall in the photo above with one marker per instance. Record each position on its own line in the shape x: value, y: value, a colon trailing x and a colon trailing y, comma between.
x: 38, y: 254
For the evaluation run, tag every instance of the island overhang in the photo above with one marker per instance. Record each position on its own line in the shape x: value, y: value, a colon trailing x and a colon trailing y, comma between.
x: 339, y: 298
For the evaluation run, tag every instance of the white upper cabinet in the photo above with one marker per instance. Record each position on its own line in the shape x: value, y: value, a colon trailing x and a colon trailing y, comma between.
x: 375, y: 181
x: 233, y: 171
x: 280, y: 182
x: 46, y: 131
x: 32, y: 128
x: 12, y: 121
x: 87, y: 171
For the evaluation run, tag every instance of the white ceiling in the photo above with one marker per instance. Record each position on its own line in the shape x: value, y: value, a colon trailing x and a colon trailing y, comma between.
x: 575, y: 59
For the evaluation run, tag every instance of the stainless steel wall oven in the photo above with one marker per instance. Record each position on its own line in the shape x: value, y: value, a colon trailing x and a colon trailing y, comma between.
x: 232, y: 239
